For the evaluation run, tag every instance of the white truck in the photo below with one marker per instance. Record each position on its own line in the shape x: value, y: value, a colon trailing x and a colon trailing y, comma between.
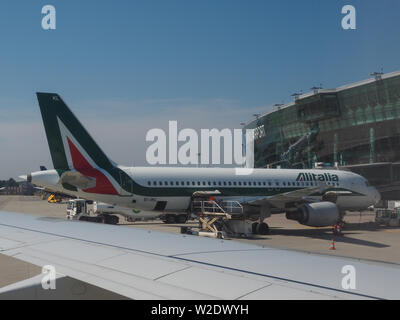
x: 133, y: 215
x: 107, y: 213
x: 130, y: 215
x: 77, y: 210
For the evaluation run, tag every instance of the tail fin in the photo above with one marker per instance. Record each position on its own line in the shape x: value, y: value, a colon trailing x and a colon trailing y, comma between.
x: 71, y: 146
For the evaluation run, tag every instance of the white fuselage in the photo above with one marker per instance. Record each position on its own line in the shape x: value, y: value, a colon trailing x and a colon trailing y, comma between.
x: 174, y: 186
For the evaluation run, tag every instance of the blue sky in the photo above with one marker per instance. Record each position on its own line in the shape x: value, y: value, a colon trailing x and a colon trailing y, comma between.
x: 128, y: 66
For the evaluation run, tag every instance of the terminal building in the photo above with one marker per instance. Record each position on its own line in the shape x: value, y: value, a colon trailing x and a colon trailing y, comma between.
x: 354, y: 127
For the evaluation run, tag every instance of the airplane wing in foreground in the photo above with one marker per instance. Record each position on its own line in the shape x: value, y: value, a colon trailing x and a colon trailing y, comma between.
x: 142, y: 264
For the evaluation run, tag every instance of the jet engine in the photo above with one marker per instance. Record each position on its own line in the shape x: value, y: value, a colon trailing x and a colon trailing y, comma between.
x: 318, y: 214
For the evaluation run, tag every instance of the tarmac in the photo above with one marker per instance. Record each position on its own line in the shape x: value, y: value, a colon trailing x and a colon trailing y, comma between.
x: 361, y: 239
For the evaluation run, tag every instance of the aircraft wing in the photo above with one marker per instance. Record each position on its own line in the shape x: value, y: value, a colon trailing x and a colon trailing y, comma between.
x: 2, y: 188
x: 142, y: 264
x: 279, y: 200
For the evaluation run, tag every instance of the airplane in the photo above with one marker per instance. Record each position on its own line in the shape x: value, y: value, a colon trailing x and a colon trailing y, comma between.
x: 83, y: 260
x: 81, y: 168
x: 104, y: 260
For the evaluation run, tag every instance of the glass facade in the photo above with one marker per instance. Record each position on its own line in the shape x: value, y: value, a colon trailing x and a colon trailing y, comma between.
x: 353, y: 125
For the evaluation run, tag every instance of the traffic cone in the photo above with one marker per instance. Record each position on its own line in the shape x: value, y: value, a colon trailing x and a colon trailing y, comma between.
x: 332, y: 246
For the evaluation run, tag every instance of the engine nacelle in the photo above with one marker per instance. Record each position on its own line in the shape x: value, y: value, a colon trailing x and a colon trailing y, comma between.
x: 318, y: 214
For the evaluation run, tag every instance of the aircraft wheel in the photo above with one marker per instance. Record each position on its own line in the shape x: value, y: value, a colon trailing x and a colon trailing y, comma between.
x: 110, y: 219
x: 169, y: 218
x: 262, y: 228
x: 254, y: 227
x: 182, y: 218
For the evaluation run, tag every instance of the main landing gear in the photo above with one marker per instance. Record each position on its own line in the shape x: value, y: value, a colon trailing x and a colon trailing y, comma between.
x: 261, y: 228
x: 175, y: 218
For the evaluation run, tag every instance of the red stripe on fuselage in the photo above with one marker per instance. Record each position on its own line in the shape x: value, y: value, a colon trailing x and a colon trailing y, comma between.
x: 103, y: 185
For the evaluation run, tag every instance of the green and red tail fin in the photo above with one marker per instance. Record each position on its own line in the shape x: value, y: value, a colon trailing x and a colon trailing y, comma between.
x: 72, y: 147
